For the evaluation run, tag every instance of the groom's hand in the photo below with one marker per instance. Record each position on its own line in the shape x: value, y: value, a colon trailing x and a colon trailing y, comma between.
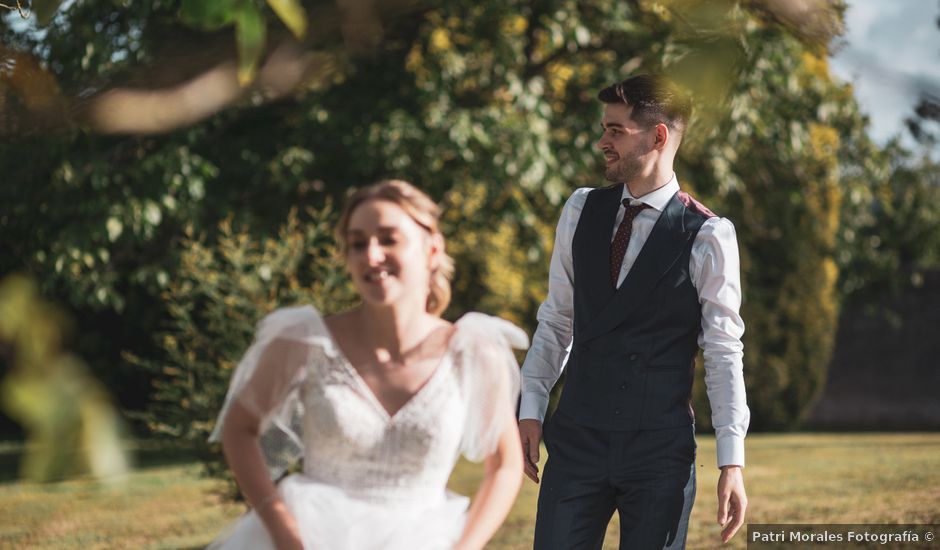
x: 732, y: 501
x: 530, y: 430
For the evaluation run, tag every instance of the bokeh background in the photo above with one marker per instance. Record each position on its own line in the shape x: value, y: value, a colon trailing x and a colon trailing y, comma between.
x: 170, y: 171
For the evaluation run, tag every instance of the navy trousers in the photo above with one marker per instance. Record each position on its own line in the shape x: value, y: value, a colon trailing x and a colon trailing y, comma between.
x: 647, y: 476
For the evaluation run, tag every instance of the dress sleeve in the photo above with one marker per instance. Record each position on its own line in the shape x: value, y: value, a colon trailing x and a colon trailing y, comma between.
x: 489, y: 378
x: 267, y: 382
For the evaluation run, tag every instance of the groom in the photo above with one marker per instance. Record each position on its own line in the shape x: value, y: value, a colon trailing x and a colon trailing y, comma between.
x: 641, y: 276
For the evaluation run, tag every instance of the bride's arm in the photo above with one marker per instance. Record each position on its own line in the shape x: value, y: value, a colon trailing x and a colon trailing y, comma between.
x: 497, y: 492
x: 240, y: 434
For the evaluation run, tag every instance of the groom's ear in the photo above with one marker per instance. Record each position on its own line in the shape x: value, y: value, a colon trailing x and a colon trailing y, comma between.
x: 662, y: 135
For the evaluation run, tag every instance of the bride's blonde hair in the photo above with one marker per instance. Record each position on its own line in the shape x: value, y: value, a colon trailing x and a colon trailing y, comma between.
x: 425, y: 212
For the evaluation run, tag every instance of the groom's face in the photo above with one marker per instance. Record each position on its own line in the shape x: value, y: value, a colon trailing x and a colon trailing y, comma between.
x: 627, y: 146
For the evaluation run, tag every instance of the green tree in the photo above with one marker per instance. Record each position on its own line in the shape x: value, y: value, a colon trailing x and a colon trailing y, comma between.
x: 775, y: 168
x: 128, y: 138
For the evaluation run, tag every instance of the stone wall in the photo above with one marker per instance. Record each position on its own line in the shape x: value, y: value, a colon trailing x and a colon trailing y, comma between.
x: 885, y: 372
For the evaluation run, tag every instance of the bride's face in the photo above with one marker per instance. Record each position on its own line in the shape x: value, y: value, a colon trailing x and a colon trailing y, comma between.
x: 388, y: 254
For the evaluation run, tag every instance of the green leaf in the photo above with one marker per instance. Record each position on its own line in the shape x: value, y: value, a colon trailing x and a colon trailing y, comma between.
x: 250, y: 32
x: 208, y: 15
x: 292, y: 14
x: 44, y: 10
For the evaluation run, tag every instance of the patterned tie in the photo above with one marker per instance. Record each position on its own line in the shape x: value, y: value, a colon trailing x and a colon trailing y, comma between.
x: 618, y: 247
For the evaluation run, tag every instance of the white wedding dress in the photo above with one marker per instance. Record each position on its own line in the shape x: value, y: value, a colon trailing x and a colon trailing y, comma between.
x: 370, y: 480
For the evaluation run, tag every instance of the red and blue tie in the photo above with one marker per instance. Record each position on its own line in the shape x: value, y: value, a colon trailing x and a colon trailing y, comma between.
x: 618, y: 247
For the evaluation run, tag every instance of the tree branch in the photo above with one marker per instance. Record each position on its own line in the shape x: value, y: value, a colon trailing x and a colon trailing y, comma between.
x: 24, y: 12
x: 193, y: 87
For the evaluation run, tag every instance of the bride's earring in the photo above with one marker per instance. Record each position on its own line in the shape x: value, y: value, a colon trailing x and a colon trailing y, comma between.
x: 434, y: 256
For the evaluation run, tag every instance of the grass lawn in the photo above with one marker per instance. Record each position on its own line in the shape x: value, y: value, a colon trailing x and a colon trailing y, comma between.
x: 792, y: 478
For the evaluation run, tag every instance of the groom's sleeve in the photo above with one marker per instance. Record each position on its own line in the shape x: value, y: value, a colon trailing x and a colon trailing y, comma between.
x: 716, y: 275
x: 552, y: 339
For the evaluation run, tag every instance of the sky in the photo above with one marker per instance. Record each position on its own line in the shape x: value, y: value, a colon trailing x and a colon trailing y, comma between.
x: 891, y: 53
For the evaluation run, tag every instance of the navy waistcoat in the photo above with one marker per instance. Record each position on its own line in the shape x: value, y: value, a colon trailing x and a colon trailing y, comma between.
x: 632, y: 360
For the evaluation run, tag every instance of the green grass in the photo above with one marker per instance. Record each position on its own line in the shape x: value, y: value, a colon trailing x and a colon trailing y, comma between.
x: 793, y: 478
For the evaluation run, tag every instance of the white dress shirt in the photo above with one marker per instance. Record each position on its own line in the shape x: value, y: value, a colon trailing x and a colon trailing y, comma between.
x: 715, y: 272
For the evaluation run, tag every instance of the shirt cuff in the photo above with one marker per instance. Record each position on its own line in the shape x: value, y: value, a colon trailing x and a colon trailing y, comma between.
x: 730, y: 451
x: 533, y: 406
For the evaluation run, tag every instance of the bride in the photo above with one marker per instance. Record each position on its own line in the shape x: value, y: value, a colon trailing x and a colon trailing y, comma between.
x: 379, y: 402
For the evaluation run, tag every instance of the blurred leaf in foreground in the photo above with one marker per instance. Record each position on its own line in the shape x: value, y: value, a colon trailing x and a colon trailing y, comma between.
x: 71, y: 427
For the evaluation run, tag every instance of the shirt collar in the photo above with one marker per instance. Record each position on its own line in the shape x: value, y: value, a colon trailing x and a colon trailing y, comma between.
x: 657, y: 199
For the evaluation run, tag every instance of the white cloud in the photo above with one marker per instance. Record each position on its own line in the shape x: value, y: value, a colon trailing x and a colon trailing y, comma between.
x: 891, y: 55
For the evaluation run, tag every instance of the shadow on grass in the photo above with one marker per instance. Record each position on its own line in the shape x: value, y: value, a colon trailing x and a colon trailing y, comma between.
x: 9, y: 465
x: 157, y: 454
x: 848, y: 439
x: 144, y: 454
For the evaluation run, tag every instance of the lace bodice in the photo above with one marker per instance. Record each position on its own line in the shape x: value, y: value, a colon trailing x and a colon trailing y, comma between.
x: 314, y: 404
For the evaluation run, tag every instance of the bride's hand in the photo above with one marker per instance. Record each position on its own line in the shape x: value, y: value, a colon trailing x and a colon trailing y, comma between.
x: 287, y: 538
x: 282, y: 526
x: 288, y: 541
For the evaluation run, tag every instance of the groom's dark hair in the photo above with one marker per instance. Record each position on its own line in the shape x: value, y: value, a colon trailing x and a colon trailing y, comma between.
x: 655, y: 99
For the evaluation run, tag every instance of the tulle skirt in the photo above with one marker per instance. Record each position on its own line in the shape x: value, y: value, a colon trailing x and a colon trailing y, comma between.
x: 330, y: 519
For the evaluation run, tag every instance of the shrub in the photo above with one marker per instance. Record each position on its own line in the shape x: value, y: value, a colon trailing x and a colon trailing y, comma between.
x: 221, y: 291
